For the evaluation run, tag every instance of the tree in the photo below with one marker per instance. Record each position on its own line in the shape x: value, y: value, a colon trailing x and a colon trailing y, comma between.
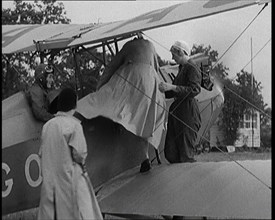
x: 232, y: 112
x: 240, y: 99
x: 91, y: 68
x: 17, y: 68
x: 235, y: 92
x: 39, y: 12
x: 266, y: 128
x: 219, y: 71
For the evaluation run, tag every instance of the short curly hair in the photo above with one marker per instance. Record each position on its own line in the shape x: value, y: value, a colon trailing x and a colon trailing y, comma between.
x: 67, y: 100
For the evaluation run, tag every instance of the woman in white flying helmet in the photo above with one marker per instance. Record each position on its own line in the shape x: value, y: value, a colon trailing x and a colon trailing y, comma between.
x: 184, y: 120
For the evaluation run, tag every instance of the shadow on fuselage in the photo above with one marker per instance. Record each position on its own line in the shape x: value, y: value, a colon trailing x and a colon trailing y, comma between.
x: 111, y: 149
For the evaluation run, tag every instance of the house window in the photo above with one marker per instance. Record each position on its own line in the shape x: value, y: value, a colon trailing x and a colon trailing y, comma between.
x: 249, y: 122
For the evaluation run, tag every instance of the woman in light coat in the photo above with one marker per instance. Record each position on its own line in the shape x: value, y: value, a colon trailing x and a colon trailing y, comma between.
x: 66, y: 193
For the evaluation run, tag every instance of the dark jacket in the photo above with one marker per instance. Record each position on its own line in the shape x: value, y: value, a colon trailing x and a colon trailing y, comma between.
x: 39, y: 102
x: 188, y: 82
x: 184, y: 120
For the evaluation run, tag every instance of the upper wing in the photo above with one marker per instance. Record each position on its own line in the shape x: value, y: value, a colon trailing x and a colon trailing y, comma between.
x: 18, y: 38
x: 161, y: 17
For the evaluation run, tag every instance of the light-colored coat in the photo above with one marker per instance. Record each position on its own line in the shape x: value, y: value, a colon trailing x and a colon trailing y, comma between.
x: 64, y: 192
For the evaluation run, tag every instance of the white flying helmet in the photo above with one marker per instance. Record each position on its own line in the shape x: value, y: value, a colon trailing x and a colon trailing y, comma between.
x: 181, y: 45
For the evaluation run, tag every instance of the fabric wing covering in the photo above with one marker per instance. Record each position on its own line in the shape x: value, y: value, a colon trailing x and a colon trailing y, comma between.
x: 20, y: 37
x: 122, y: 100
x: 160, y: 18
x: 221, y: 190
x: 17, y: 38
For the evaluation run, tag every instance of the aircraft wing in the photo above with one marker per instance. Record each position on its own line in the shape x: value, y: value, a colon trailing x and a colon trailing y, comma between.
x: 221, y: 190
x: 17, y: 38
x: 161, y: 17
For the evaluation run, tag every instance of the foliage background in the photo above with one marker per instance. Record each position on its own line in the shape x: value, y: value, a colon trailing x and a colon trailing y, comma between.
x: 18, y: 69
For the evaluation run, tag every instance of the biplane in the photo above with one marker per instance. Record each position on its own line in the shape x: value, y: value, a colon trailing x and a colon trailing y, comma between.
x: 207, y: 190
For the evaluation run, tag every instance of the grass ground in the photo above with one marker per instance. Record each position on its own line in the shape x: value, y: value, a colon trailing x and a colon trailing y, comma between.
x: 212, y: 156
x: 246, y: 155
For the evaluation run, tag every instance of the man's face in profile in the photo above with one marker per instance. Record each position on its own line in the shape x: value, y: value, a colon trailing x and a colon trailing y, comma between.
x: 50, y: 81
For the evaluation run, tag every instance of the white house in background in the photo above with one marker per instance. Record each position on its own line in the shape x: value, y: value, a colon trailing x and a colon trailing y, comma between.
x: 246, y: 128
x: 249, y: 131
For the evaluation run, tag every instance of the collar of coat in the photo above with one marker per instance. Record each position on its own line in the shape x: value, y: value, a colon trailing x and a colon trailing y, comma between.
x: 65, y: 114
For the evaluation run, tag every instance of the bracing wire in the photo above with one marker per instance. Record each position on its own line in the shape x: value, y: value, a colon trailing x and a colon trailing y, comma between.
x: 220, y: 92
x: 260, y: 110
x: 255, y: 107
x: 240, y: 34
x: 233, y: 93
x: 225, y: 153
x: 253, y: 57
x: 159, y: 104
x: 257, y: 53
x: 244, y: 66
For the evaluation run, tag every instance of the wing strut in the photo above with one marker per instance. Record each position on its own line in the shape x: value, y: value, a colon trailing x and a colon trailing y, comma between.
x: 78, y: 77
x: 116, y: 45
x: 87, y: 50
x: 104, y: 53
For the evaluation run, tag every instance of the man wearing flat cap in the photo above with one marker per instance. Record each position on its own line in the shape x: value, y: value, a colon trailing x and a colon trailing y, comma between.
x: 184, y: 119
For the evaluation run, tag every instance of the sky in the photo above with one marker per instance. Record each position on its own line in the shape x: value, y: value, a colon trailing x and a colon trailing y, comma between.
x: 219, y: 31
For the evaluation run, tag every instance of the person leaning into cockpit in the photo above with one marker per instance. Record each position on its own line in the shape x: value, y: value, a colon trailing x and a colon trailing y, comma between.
x: 42, y: 93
